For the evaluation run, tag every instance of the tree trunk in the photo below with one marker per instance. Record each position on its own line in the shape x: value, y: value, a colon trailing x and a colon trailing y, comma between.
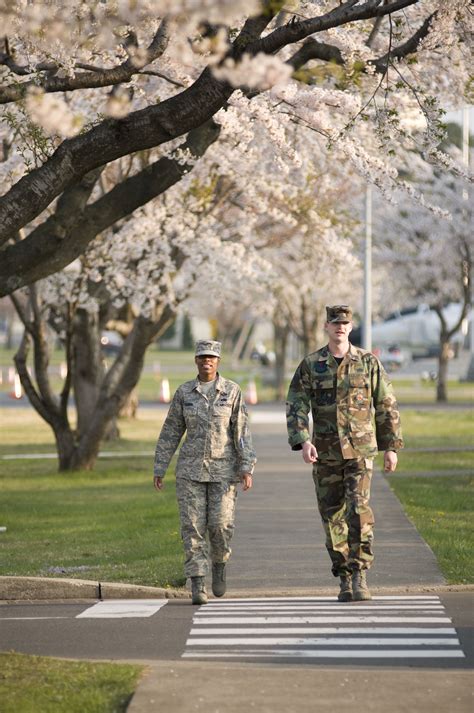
x: 79, y: 449
x: 89, y: 368
x: 442, y: 385
x: 116, y: 387
x: 309, y: 325
x: 65, y: 445
x: 281, y: 342
x: 129, y: 409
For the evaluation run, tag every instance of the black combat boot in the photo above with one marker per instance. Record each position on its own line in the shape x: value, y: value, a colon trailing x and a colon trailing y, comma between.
x: 345, y: 592
x: 218, y: 579
x: 360, y: 589
x: 198, y: 589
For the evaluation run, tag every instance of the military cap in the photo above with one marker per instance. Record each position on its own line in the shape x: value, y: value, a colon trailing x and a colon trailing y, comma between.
x: 339, y: 313
x: 208, y: 347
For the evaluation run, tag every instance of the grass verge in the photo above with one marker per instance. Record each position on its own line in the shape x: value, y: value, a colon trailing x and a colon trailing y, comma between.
x: 105, y: 525
x: 442, y: 509
x: 36, y: 683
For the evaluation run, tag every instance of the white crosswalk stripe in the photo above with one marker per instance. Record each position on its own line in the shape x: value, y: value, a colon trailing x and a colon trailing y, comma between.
x: 123, y: 609
x: 387, y: 627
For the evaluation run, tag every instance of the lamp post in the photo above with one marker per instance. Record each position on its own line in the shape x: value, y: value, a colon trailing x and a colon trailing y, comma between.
x: 465, y: 160
x: 367, y: 324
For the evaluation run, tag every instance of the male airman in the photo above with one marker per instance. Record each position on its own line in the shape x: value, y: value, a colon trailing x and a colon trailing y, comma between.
x: 355, y: 414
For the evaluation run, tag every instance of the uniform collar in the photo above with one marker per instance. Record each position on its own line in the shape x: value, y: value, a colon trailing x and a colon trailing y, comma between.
x: 325, y: 354
x: 353, y: 353
x: 219, y: 383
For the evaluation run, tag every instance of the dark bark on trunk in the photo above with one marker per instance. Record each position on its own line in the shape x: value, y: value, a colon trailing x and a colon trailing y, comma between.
x: 281, y: 333
x: 66, y: 234
x: 309, y: 324
x: 442, y: 384
x: 119, y: 381
x: 129, y: 409
x: 89, y: 368
x: 103, y: 397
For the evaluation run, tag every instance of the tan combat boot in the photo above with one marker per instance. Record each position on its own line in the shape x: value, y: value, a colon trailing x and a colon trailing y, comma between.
x: 218, y: 579
x: 345, y: 592
x: 360, y: 591
x: 198, y: 589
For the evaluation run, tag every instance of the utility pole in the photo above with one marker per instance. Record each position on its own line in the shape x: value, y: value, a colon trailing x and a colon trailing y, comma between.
x: 367, y: 325
x: 465, y: 160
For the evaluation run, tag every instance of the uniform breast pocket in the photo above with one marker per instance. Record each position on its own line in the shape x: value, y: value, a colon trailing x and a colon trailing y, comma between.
x: 359, y: 392
x: 325, y: 391
x: 222, y: 412
x: 190, y: 413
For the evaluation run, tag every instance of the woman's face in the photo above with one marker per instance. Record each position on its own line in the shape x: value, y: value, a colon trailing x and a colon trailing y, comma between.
x: 207, y: 367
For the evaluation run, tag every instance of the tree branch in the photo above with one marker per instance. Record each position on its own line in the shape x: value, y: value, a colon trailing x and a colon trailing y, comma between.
x: 89, y: 79
x: 62, y: 238
x: 349, y: 11
x: 156, y: 124
x: 312, y: 49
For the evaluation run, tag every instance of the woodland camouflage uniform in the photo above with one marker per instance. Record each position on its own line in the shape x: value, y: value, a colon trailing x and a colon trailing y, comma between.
x: 355, y: 414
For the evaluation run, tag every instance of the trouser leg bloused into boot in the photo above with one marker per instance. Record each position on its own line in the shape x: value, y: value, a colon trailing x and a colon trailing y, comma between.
x: 345, y: 592
x: 360, y: 589
x: 218, y: 579
x: 198, y: 590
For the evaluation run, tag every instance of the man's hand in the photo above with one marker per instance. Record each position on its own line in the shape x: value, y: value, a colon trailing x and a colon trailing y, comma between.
x: 310, y: 454
x: 246, y: 480
x: 158, y: 483
x: 390, y: 460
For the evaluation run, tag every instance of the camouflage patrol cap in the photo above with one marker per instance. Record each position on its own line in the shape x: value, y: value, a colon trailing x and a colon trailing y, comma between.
x: 208, y: 347
x: 339, y: 313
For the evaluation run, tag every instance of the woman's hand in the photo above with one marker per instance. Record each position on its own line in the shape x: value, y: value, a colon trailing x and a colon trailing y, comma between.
x: 246, y: 480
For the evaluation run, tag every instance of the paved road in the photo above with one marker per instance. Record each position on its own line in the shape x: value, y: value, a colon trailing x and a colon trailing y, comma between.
x: 423, y: 631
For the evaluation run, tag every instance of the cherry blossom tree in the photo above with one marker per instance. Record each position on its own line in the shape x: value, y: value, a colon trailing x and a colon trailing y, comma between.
x: 430, y: 254
x: 133, y: 283
x: 83, y: 85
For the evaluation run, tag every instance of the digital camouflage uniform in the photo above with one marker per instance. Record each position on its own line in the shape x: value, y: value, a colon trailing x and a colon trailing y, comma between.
x: 355, y: 414
x: 216, y: 451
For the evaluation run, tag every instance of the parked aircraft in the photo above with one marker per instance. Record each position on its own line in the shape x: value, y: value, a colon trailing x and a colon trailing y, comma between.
x: 416, y: 330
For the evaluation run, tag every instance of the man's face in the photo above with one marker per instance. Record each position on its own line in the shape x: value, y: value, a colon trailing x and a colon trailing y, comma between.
x: 207, y: 366
x: 338, y: 331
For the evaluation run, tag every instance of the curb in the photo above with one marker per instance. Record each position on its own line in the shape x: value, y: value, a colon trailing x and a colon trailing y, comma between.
x: 37, y: 588
x: 49, y: 588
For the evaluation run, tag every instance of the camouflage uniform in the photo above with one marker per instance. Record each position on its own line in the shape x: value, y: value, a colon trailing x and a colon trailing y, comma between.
x: 354, y: 415
x: 216, y: 452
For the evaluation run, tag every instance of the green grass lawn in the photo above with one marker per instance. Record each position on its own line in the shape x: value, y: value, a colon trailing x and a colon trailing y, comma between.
x: 461, y: 461
x: 106, y: 525
x: 29, y: 684
x: 442, y: 510
x: 437, y: 427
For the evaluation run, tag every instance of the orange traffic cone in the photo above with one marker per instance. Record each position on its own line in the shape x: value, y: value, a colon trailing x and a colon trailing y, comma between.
x: 17, y: 392
x: 251, y: 393
x: 165, y: 396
